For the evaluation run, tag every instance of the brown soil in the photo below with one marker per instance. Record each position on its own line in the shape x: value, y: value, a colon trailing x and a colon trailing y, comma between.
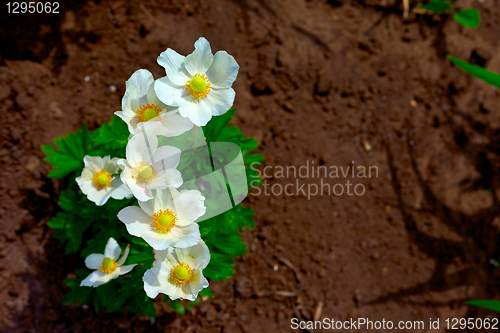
x: 328, y: 82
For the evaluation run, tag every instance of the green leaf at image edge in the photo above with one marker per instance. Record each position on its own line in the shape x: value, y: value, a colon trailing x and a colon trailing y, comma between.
x: 437, y: 6
x: 487, y: 304
x: 469, y: 18
x: 477, y: 71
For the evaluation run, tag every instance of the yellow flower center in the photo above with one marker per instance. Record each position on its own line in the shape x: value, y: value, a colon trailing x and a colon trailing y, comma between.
x: 144, y: 173
x: 108, y: 265
x: 101, y: 179
x: 198, y: 86
x: 198, y: 83
x: 181, y: 274
x: 148, y: 112
x: 164, y: 220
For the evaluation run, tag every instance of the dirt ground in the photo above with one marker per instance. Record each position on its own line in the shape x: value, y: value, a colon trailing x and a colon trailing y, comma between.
x: 333, y: 83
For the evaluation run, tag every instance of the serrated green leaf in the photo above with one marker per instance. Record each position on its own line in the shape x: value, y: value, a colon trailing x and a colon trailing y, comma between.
x: 68, y: 156
x: 232, y: 245
x: 69, y: 201
x: 69, y: 229
x: 112, y: 138
x: 219, y: 267
x: 487, y: 304
x: 469, y: 18
x: 477, y: 71
x: 236, y: 219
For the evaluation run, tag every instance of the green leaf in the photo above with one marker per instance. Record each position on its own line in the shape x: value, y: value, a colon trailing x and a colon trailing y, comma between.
x: 477, y: 71
x: 492, y: 305
x: 219, y: 268
x: 144, y: 256
x: 146, y: 306
x: 178, y: 307
x: 77, y: 294
x: 437, y: 6
x: 207, y: 292
x: 69, y: 201
x: 190, y: 304
x: 68, y: 156
x: 469, y: 18
x: 112, y: 138
x: 215, y: 126
x: 69, y: 229
x: 205, y: 230
x: 236, y: 219
x: 232, y: 245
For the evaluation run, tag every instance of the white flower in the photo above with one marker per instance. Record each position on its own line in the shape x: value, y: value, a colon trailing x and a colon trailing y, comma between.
x: 199, y: 84
x: 148, y: 167
x: 108, y: 266
x: 99, y: 180
x: 178, y: 272
x: 141, y: 106
x: 167, y: 220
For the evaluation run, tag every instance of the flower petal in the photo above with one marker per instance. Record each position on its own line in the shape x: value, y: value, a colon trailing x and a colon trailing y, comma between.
x: 124, y: 256
x: 94, y: 261
x: 174, y: 292
x: 153, y: 99
x: 218, y: 101
x: 93, y: 163
x: 168, y: 156
x: 172, y: 177
x: 163, y: 200
x: 174, y: 124
x: 200, y: 252
x: 152, y: 286
x: 173, y: 63
x: 105, y: 278
x: 112, y: 249
x: 118, y: 190
x: 189, y: 206
x: 125, y: 269
x: 91, y: 279
x: 133, y: 215
x: 141, y: 193
x: 139, y: 224
x: 141, y: 80
x: 197, y: 284
x: 96, y: 278
x: 159, y: 182
x: 151, y: 126
x: 167, y: 91
x: 223, y: 71
x: 158, y: 241
x: 148, y: 206
x: 99, y: 196
x: 198, y: 113
x: 186, y: 236
x: 139, y: 147
x: 201, y: 59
